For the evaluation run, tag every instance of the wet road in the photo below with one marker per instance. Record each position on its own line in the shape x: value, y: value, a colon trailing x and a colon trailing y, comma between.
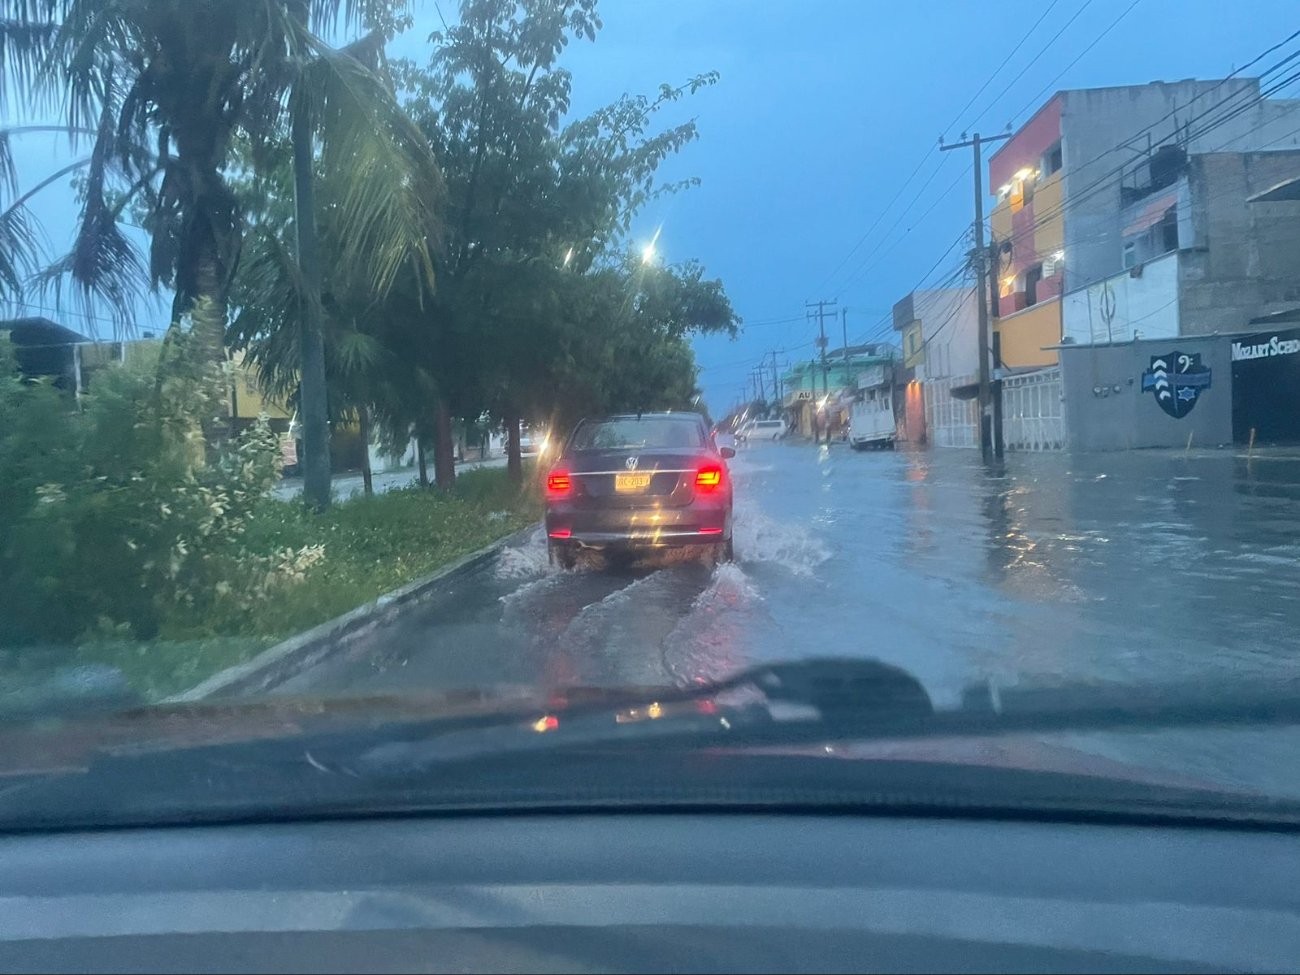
x: 1139, y: 567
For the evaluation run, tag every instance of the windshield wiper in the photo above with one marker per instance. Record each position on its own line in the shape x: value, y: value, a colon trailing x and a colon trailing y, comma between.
x: 824, y: 699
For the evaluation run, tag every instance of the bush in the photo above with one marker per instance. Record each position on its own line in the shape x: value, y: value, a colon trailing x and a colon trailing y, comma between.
x: 120, y: 515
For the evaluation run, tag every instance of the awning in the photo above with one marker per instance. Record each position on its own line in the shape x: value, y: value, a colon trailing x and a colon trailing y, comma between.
x: 1152, y: 214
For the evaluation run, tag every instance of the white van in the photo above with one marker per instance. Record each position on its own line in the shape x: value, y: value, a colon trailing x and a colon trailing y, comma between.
x: 763, y: 430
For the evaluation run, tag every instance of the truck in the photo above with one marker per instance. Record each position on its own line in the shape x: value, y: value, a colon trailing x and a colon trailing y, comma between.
x: 871, y: 424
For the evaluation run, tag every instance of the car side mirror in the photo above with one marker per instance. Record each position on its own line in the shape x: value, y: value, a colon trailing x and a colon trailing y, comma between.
x: 727, y: 452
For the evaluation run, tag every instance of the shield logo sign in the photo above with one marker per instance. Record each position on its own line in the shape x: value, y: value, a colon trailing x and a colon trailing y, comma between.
x: 1177, y: 380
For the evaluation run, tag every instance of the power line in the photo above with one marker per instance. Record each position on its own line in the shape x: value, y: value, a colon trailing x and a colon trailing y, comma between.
x: 875, y: 223
x: 912, y: 176
x: 1097, y: 40
x: 1055, y: 37
x: 864, y: 267
x: 989, y: 80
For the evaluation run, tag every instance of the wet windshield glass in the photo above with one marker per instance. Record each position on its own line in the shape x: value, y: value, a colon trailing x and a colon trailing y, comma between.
x: 384, y: 360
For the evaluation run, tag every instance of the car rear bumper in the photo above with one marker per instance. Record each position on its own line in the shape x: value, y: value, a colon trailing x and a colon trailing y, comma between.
x: 639, y: 527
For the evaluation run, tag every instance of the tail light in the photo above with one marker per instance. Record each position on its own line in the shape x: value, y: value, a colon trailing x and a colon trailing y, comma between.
x: 558, y: 484
x: 708, y: 478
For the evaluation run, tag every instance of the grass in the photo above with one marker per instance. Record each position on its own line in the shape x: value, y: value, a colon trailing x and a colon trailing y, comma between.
x: 372, y: 546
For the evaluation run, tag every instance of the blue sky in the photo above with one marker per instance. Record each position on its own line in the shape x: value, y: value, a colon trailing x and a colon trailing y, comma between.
x: 824, y: 109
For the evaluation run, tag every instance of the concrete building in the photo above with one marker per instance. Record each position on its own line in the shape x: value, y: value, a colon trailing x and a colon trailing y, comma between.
x: 1092, y: 184
x: 1198, y: 257
x: 938, y: 329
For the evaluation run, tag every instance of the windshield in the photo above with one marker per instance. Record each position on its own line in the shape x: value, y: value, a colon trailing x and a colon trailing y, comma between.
x: 365, y: 364
x: 637, y: 433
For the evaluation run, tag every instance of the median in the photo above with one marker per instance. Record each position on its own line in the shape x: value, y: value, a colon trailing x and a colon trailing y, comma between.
x: 326, y: 565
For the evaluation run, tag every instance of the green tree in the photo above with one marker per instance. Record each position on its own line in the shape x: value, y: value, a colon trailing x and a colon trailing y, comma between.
x: 529, y: 198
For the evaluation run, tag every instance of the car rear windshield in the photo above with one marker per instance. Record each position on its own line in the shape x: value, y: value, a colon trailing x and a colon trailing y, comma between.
x: 638, y: 434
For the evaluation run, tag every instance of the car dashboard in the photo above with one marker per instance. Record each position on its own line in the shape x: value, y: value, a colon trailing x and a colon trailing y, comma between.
x: 625, y: 891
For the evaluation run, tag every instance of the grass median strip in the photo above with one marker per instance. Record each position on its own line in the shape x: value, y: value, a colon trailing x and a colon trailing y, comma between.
x: 352, y: 554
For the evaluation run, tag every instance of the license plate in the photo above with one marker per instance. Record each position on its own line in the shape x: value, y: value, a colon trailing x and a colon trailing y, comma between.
x: 631, y: 482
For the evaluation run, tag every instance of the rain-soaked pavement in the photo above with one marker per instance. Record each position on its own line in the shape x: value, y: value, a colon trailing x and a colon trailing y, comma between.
x: 1139, y: 567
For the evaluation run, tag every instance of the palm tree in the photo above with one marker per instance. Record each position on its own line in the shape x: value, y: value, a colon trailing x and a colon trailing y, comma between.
x: 167, y: 87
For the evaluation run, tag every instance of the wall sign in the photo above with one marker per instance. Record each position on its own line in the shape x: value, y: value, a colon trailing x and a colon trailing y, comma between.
x: 1264, y: 350
x: 1177, y: 380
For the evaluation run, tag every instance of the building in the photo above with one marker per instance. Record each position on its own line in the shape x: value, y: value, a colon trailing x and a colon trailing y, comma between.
x: 1197, y: 257
x: 1090, y: 187
x: 1123, y: 216
x: 818, y: 396
x: 939, y: 331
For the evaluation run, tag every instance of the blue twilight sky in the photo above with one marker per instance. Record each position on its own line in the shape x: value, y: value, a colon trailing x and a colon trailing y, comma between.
x: 824, y: 109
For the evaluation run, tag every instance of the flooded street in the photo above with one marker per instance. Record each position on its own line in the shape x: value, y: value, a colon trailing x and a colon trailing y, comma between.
x: 1138, y: 568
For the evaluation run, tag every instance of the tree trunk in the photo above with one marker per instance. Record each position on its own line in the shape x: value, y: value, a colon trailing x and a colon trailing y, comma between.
x: 444, y: 446
x: 367, y: 476
x: 514, y: 459
x: 312, y: 402
x: 422, y: 461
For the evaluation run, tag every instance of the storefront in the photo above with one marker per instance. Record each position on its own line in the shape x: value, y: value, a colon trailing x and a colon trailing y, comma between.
x: 1266, y: 387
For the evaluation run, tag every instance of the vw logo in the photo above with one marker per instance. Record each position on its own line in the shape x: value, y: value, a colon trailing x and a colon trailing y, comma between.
x: 631, y: 463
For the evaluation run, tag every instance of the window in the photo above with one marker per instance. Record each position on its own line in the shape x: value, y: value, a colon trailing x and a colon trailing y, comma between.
x: 1167, y: 230
x: 1052, y: 160
x: 1130, y: 254
x: 625, y: 432
x: 1032, y: 277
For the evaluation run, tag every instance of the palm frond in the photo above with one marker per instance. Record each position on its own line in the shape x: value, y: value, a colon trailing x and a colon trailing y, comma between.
x: 378, y: 171
x: 26, y: 37
x: 104, y: 268
x: 20, y: 245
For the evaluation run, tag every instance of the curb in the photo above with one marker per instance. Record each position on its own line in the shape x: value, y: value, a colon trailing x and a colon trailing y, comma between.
x: 307, y: 649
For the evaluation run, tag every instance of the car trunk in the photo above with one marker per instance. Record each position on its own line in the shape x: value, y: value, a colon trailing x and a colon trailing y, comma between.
x: 596, y: 475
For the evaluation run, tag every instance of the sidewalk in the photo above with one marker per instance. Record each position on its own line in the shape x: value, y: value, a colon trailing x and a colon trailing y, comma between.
x: 347, y: 486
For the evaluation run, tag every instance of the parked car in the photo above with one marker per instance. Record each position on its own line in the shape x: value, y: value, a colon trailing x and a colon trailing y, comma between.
x: 533, y: 443
x: 762, y: 430
x: 646, y: 481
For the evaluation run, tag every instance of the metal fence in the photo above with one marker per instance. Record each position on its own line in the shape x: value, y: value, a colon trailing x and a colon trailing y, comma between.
x: 1033, y: 411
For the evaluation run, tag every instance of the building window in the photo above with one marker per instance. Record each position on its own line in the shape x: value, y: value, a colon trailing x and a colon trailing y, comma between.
x: 1032, y: 277
x: 1130, y: 255
x: 1052, y: 160
x: 1168, y: 231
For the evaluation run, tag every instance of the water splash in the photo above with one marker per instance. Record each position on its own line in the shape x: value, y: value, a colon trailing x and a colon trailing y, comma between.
x: 714, y: 638
x: 759, y: 538
x: 523, y: 561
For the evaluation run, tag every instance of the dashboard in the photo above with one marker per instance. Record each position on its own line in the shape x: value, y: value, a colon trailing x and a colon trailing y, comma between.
x: 618, y: 891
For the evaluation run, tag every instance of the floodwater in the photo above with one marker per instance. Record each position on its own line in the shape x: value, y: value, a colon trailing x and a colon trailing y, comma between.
x: 1142, y: 568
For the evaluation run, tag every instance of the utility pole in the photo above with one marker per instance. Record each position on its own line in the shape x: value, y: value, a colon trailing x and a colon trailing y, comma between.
x: 844, y: 324
x: 820, y: 314
x: 995, y: 268
x: 986, y: 421
x: 777, y: 391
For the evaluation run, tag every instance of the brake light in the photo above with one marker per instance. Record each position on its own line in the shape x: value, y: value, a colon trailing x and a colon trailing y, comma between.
x: 562, y: 533
x: 708, y: 478
x: 558, y: 483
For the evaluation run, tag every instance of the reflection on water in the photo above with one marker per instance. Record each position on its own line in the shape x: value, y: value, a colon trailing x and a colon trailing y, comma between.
x: 1136, y: 567
x: 1142, y: 568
